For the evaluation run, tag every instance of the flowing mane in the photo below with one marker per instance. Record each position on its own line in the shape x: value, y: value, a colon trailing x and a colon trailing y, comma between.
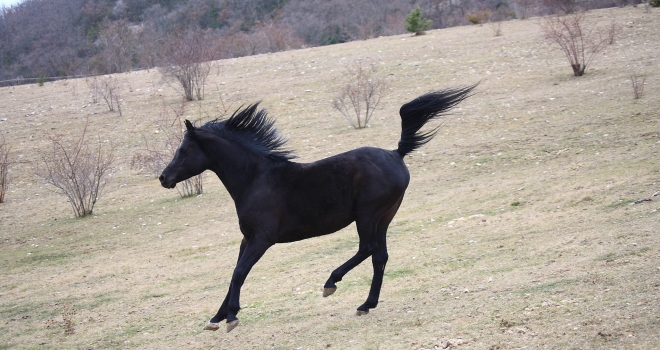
x: 254, y: 129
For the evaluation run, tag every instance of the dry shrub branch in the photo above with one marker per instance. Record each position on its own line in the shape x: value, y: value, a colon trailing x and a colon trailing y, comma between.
x: 108, y: 89
x: 637, y: 81
x: 6, y: 161
x: 154, y: 157
x: 80, y: 170
x: 579, y: 38
x: 361, y: 94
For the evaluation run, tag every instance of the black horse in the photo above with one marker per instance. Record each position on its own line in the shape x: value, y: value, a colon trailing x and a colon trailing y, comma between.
x: 280, y: 201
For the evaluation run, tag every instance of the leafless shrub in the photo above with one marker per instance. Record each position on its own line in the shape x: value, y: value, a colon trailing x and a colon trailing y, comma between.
x: 79, y: 170
x: 6, y: 160
x: 153, y: 158
x: 637, y: 81
x: 613, y: 31
x: 94, y: 88
x: 108, y: 89
x: 361, y: 94
x: 187, y: 57
x: 579, y: 38
x: 496, y: 27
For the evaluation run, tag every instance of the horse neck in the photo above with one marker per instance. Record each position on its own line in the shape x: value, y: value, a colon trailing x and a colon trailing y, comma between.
x: 234, y: 164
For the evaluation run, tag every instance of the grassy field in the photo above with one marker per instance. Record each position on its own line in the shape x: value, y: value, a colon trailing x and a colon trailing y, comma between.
x: 519, y: 228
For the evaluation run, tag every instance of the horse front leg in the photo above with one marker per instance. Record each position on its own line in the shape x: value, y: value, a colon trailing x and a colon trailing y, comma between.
x: 254, y: 250
x: 213, y: 324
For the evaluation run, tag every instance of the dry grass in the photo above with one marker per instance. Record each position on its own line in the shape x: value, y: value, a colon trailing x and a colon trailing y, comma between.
x: 517, y: 228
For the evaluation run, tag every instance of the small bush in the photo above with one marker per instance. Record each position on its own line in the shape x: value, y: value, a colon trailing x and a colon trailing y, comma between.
x: 5, y: 163
x: 186, y: 61
x: 477, y: 17
x: 79, y: 170
x: 108, y: 88
x: 654, y: 3
x: 579, y: 38
x: 637, y: 81
x: 41, y: 79
x: 416, y: 23
x: 361, y: 94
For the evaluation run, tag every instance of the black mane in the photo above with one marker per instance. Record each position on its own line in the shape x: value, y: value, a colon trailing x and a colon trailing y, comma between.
x: 254, y: 129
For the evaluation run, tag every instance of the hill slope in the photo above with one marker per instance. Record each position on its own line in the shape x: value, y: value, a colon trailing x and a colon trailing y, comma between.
x: 518, y: 227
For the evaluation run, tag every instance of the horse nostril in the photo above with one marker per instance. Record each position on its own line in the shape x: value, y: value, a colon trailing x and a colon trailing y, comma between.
x: 161, y: 178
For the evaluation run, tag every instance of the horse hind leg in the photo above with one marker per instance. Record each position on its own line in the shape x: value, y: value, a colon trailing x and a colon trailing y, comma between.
x: 364, y: 251
x: 378, y: 260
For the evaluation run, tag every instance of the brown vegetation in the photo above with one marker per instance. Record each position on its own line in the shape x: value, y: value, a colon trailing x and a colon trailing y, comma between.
x: 107, y: 88
x: 6, y: 160
x: 637, y: 81
x: 186, y: 62
x: 579, y: 38
x: 361, y: 94
x: 78, y: 170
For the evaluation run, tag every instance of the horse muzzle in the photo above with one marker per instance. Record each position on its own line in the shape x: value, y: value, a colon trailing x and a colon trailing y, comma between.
x: 165, y: 183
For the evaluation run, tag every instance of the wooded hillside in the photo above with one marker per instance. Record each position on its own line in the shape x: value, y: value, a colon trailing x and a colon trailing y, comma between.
x: 40, y: 38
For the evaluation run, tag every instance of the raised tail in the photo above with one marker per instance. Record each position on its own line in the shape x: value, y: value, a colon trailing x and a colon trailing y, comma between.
x: 419, y: 111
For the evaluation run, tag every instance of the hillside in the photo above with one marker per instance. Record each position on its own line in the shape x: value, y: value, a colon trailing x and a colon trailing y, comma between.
x: 518, y: 229
x: 48, y: 40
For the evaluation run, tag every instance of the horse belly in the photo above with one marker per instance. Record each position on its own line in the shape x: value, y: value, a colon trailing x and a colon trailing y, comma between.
x: 316, y: 218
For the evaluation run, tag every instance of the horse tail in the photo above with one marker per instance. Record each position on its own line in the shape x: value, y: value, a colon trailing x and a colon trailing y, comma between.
x: 419, y: 111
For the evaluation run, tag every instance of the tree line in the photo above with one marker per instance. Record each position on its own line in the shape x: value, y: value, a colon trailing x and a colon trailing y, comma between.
x: 51, y: 38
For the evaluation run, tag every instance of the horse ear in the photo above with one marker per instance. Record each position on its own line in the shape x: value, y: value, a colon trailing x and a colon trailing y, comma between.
x: 189, y: 125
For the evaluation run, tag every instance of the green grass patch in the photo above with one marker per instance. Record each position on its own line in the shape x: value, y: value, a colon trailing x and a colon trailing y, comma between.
x: 611, y: 256
x: 153, y: 295
x: 550, y: 286
x: 396, y: 273
x: 621, y: 203
x: 38, y: 258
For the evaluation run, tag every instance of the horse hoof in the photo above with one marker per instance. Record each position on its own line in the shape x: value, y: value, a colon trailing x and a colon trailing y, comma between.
x: 231, y: 325
x: 212, y: 327
x: 360, y: 313
x: 328, y: 291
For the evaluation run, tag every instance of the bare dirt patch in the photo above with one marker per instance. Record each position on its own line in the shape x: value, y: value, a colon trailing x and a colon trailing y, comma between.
x: 519, y: 227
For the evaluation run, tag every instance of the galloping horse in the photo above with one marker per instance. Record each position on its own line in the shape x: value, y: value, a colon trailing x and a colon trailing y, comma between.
x: 279, y: 201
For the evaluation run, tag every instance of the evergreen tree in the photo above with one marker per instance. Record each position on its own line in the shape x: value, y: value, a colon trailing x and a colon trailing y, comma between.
x: 416, y: 23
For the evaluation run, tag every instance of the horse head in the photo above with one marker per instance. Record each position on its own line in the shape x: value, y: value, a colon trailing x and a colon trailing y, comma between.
x: 189, y: 160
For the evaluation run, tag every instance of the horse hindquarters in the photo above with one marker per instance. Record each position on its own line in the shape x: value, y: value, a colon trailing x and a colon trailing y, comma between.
x: 381, y: 192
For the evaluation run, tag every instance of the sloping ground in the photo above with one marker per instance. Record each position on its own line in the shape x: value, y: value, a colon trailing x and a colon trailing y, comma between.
x: 519, y: 228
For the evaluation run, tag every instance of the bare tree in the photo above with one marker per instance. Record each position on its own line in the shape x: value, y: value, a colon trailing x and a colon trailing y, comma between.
x: 119, y: 46
x: 187, y: 57
x: 579, y: 38
x: 6, y: 160
x: 79, y: 170
x: 154, y: 157
x: 359, y: 97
